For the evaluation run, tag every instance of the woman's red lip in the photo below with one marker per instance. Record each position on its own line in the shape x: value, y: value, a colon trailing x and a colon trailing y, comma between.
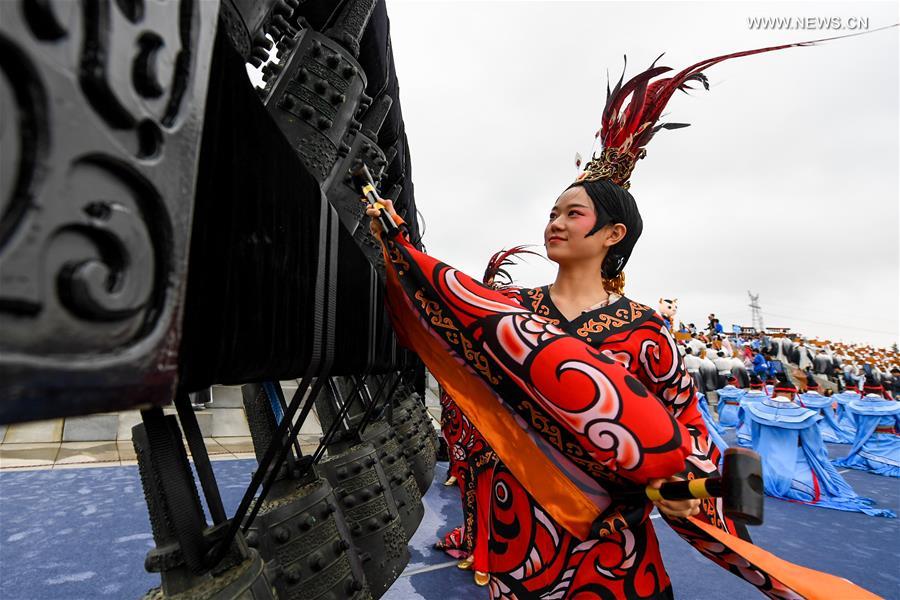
x: 550, y: 239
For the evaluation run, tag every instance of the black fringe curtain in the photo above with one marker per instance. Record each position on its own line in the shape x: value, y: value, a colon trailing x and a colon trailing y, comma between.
x: 254, y: 244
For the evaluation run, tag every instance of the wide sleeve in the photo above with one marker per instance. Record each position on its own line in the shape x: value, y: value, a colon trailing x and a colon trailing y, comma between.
x: 662, y: 370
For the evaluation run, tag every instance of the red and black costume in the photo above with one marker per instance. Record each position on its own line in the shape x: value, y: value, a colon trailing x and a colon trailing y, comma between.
x: 579, y: 413
x: 636, y: 337
x: 472, y: 462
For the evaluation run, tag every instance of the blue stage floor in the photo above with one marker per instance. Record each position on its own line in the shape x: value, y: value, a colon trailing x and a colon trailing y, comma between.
x: 83, y: 534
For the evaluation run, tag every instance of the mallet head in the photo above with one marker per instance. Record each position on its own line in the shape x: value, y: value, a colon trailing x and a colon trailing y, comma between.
x: 742, y: 486
x: 360, y: 174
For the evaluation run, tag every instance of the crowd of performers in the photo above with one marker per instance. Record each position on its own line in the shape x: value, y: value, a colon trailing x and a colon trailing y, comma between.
x: 789, y: 428
x: 848, y: 395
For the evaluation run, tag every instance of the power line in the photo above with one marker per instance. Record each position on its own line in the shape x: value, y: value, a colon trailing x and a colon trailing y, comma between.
x: 806, y: 310
x: 831, y: 324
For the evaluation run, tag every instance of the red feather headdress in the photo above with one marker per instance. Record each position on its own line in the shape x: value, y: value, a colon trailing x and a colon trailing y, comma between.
x: 625, y: 133
x: 496, y: 267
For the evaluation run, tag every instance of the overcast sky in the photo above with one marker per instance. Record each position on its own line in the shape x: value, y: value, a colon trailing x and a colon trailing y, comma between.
x: 786, y: 183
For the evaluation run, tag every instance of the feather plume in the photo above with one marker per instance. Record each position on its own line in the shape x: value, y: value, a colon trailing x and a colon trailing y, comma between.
x: 627, y: 129
x: 495, y: 275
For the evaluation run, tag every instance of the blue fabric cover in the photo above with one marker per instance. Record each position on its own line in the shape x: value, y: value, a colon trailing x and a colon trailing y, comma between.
x: 744, y: 430
x: 729, y: 402
x: 795, y: 462
x: 829, y: 427
x: 844, y: 418
x: 875, y: 452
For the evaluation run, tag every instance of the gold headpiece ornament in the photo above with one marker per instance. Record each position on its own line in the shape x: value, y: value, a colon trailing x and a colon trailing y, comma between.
x: 612, y: 164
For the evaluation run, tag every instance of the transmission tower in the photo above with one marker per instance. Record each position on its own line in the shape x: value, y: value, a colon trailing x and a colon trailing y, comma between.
x: 756, y: 312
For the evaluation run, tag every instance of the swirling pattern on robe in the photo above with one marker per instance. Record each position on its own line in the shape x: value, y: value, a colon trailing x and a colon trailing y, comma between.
x: 554, y: 562
x: 470, y: 458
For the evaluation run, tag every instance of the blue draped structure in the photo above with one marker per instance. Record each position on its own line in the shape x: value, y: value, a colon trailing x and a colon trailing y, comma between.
x: 876, y: 447
x: 795, y: 462
x: 744, y: 430
x: 729, y: 403
x: 831, y: 430
x: 844, y: 418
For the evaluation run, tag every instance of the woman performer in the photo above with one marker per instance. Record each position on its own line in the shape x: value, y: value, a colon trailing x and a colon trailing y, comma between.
x: 587, y: 221
x: 577, y: 420
x: 591, y: 231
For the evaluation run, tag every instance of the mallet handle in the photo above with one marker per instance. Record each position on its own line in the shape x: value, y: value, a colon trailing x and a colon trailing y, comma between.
x: 363, y: 181
x: 708, y: 487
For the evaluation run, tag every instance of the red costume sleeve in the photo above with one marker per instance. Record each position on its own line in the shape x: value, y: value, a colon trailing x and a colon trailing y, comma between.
x: 666, y: 376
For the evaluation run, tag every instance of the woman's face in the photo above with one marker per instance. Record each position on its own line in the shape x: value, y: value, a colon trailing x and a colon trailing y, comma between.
x: 571, y: 219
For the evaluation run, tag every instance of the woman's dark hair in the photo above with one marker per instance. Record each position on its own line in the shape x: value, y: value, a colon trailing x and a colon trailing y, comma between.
x: 614, y: 204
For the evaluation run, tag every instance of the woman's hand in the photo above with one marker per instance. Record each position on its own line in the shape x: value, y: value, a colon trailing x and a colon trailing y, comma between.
x: 674, y: 508
x: 374, y: 213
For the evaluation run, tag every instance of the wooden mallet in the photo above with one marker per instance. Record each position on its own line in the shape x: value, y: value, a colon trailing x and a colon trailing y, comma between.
x: 740, y: 487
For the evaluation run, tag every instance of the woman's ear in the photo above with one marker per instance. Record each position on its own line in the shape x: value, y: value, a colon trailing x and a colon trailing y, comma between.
x: 616, y: 234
